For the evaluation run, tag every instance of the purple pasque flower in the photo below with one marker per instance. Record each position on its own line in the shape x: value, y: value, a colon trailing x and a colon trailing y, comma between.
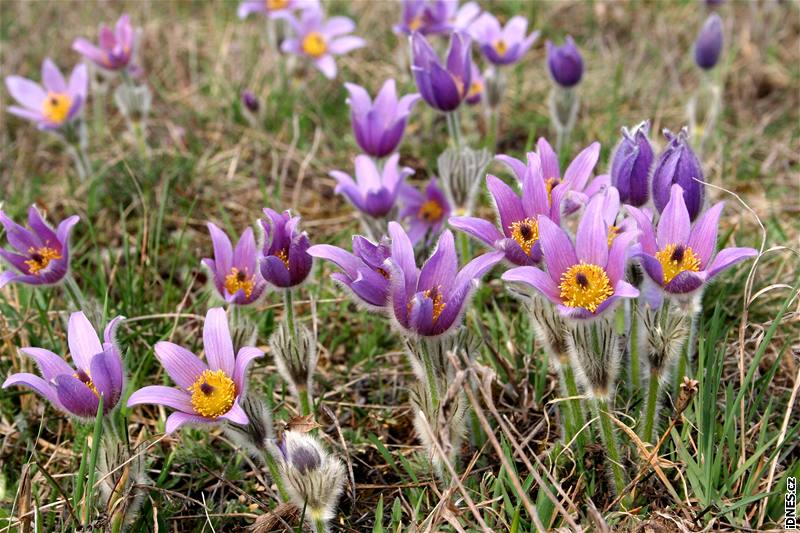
x: 425, y: 211
x: 708, y: 46
x: 477, y: 87
x: 250, y: 101
x: 97, y: 372
x: 443, y: 86
x: 631, y: 163
x: 364, y: 273
x: 502, y: 45
x: 678, y: 164
x: 115, y: 48
x: 284, y: 260
x: 274, y: 8
x: 379, y: 125
x: 436, y: 16
x: 678, y: 255
x: 205, y: 393
x: 565, y: 63
x: 585, y: 279
x: 319, y: 39
x: 235, y: 272
x: 53, y: 105
x: 41, y: 255
x: 375, y: 190
x: 430, y: 301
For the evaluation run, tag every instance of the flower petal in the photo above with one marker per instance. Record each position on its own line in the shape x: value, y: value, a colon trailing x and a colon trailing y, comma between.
x: 674, y: 224
x: 76, y: 397
x: 558, y: 251
x: 36, y: 384
x: 728, y: 257
x: 83, y: 341
x: 178, y: 419
x: 243, y: 359
x: 217, y: 341
x: 160, y: 395
x: 50, y: 364
x: 536, y: 278
x: 182, y: 365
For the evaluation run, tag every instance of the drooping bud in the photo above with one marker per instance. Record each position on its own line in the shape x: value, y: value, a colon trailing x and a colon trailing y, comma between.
x: 565, y: 63
x: 708, y: 46
x: 678, y: 164
x: 630, y: 165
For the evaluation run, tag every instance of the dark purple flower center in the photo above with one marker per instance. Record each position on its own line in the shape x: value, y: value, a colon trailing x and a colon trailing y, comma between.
x: 581, y: 279
x: 677, y: 254
x: 206, y: 388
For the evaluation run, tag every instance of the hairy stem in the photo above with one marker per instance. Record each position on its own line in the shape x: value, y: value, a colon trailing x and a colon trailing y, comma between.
x: 601, y: 411
x: 272, y: 466
x: 649, y: 421
x: 96, y: 437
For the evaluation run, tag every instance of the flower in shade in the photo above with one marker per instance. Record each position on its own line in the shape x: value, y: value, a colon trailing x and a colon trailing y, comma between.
x: 678, y: 164
x: 375, y: 190
x: 430, y: 301
x: 41, y: 255
x: 97, y: 370
x: 53, y: 105
x: 436, y: 16
x: 284, y: 258
x: 379, y: 125
x: 630, y: 165
x: 708, y: 46
x: 502, y: 45
x: 443, y: 86
x: 235, y: 271
x: 477, y: 87
x: 319, y: 39
x: 115, y: 48
x: 364, y: 272
x: 426, y: 211
x: 205, y: 393
x: 274, y: 8
x: 585, y: 279
x: 678, y: 256
x: 565, y: 63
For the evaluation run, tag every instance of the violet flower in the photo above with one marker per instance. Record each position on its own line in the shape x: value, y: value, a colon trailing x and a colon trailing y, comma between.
x: 436, y: 16
x: 205, y: 393
x: 378, y: 126
x: 116, y: 47
x: 678, y: 256
x: 631, y: 163
x: 250, y: 101
x: 375, y: 190
x: 477, y: 87
x: 284, y: 260
x: 235, y: 272
x: 364, y: 272
x: 708, y: 46
x: 53, y: 105
x: 274, y: 8
x: 430, y: 301
x: 98, y: 370
x: 565, y: 63
x: 319, y: 39
x: 41, y: 255
x: 678, y: 164
x: 443, y: 86
x: 585, y: 279
x: 502, y: 45
x: 426, y: 211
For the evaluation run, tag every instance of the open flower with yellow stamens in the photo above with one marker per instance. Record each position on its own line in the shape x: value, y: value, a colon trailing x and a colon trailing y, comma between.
x: 502, y: 45
x: 206, y: 393
x: 284, y: 260
x: 426, y: 211
x: 274, y: 9
x: 56, y: 103
x: 319, y: 39
x: 585, y: 279
x: 678, y: 256
x: 114, y: 49
x: 41, y: 255
x: 97, y: 372
x: 430, y: 301
x: 235, y: 272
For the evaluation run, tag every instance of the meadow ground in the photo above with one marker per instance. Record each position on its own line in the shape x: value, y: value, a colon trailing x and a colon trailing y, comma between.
x: 724, y: 462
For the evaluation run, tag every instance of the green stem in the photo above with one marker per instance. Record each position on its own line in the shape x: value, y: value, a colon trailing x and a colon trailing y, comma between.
x: 305, y: 401
x: 635, y: 374
x: 288, y: 303
x: 319, y: 526
x: 430, y: 374
x: 73, y: 292
x: 573, y: 405
x: 272, y: 466
x: 96, y: 436
x: 652, y: 401
x: 454, y: 128
x: 600, y: 407
x: 494, y: 128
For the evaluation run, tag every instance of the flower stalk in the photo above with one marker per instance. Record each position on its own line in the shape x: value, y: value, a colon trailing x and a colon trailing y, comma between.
x: 96, y: 443
x: 601, y: 411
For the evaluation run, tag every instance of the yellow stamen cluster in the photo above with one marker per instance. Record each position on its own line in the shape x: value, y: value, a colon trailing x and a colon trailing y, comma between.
x: 415, y: 23
x: 238, y: 280
x: 55, y: 107
x: 550, y: 184
x: 475, y: 88
x: 283, y: 255
x: 84, y: 377
x: 314, y: 44
x: 613, y: 231
x: 435, y: 295
x: 430, y: 211
x: 585, y: 285
x: 213, y: 393
x: 526, y: 233
x: 677, y: 258
x: 40, y: 258
x: 501, y: 47
x: 273, y: 5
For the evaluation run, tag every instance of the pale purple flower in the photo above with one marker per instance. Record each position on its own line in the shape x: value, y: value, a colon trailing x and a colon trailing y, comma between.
x: 374, y: 190
x: 585, y: 279
x: 274, y: 8
x: 116, y: 47
x: 53, y: 105
x: 443, y: 85
x: 502, y: 45
x: 319, y: 39
x: 379, y: 125
x: 431, y: 301
x: 426, y: 211
x: 363, y: 272
x: 41, y: 254
x: 235, y: 272
x: 205, y: 393
x: 284, y: 260
x: 436, y: 16
x: 97, y: 370
x: 680, y: 256
x: 565, y: 63
x: 678, y: 164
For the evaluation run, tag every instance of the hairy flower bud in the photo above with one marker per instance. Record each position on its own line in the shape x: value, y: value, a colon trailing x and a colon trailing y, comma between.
x: 595, y: 352
x: 678, y: 164
x: 565, y: 63
x: 460, y: 171
x: 708, y: 46
x: 630, y: 165
x: 296, y: 362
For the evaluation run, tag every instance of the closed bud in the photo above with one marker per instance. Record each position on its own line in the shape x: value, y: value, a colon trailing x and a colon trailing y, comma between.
x: 708, y: 46
x: 565, y: 63
x: 595, y: 352
x: 460, y: 171
x: 630, y: 165
x: 250, y: 101
x: 296, y: 361
x: 123, y: 478
x: 255, y: 436
x: 678, y: 164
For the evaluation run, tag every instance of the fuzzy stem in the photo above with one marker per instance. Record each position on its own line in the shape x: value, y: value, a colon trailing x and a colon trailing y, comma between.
x: 600, y: 407
x: 272, y: 466
x: 635, y: 375
x: 319, y: 526
x: 430, y: 374
x: 454, y: 128
x: 684, y: 363
x: 494, y: 129
x: 96, y: 436
x: 573, y: 409
x: 288, y: 303
x: 73, y: 292
x: 305, y: 401
x: 652, y: 401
